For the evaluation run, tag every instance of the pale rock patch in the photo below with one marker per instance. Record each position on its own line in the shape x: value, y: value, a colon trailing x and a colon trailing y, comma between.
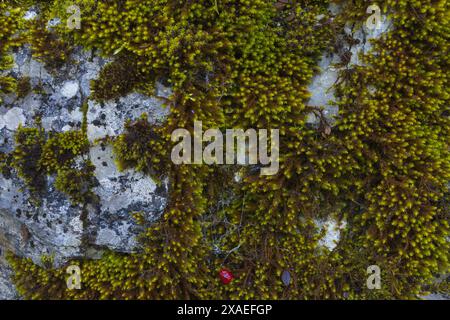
x: 14, y: 118
x: 70, y: 89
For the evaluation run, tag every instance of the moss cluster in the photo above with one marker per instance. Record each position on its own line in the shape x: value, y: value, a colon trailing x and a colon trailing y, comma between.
x: 116, y: 79
x: 394, y: 141
x: 64, y: 154
x: 23, y: 87
x: 10, y: 23
x: 5, y: 164
x: 47, y: 47
x: 141, y: 147
x: 246, y: 64
x: 29, y: 143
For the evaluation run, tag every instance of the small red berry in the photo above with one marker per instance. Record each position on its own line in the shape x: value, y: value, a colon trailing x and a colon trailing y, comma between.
x: 226, y: 276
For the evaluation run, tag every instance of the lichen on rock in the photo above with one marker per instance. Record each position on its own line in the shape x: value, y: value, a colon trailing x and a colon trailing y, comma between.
x: 85, y: 154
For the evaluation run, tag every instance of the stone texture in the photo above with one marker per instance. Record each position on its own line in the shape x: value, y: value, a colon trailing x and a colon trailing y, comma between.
x: 59, y: 229
x: 321, y: 87
x: 333, y: 230
x: 56, y: 227
x: 70, y: 89
x: 13, y: 118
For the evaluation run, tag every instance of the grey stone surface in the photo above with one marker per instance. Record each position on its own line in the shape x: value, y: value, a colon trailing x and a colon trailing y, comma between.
x: 64, y: 231
x: 56, y: 227
x: 333, y: 230
x: 13, y: 118
x: 7, y: 290
x: 70, y: 89
x: 436, y: 296
x: 321, y: 87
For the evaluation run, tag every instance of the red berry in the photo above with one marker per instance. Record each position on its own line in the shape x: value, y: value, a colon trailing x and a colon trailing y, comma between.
x: 226, y: 276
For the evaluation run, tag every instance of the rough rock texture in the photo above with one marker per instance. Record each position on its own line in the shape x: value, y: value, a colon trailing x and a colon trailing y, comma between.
x: 323, y: 96
x: 332, y: 230
x: 57, y: 228
x: 321, y: 88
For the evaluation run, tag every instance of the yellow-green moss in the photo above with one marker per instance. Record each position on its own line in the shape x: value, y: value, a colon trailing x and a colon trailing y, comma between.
x: 10, y: 23
x: 29, y: 143
x: 23, y: 87
x: 247, y: 63
x: 141, y: 147
x: 64, y: 154
x: 47, y: 47
x: 117, y: 79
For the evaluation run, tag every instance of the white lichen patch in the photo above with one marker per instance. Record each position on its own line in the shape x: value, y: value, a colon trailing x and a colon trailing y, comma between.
x: 30, y: 14
x: 322, y: 85
x: 116, y: 195
x: 55, y: 226
x: 2, y: 123
x: 321, y: 88
x: 333, y: 231
x: 108, y: 119
x: 70, y: 89
x: 13, y: 118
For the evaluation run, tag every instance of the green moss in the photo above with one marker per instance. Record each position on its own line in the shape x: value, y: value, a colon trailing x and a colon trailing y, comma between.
x: 47, y: 47
x: 66, y: 155
x: 384, y: 167
x: 395, y: 147
x: 116, y: 79
x: 61, y: 149
x: 141, y: 147
x: 29, y: 143
x: 23, y: 87
x: 10, y: 23
x: 77, y: 183
x: 5, y: 164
